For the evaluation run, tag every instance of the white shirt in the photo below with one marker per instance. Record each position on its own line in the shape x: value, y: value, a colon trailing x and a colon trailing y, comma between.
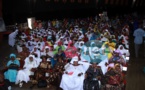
x: 138, y: 33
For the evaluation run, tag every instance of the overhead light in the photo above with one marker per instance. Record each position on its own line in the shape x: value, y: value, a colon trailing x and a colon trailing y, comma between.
x: 31, y: 22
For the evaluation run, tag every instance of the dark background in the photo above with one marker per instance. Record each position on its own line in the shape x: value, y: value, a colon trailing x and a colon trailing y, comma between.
x: 17, y: 11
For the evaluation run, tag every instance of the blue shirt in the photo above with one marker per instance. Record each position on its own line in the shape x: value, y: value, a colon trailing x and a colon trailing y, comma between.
x: 139, y: 34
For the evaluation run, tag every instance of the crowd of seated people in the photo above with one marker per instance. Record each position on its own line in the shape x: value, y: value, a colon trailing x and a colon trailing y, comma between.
x: 78, y: 54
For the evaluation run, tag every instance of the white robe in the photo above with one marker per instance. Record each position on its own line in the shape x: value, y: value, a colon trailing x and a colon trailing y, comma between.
x: 23, y: 75
x: 73, y: 82
x: 12, y: 37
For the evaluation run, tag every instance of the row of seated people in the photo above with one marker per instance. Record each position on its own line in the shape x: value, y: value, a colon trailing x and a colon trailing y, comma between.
x: 45, y: 72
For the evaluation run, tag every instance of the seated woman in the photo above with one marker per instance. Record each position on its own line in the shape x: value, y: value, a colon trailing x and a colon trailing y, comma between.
x: 58, y: 47
x: 22, y: 55
x: 71, y: 50
x: 107, y: 51
x: 114, y: 78
x: 28, y: 69
x: 56, y: 74
x: 111, y: 44
x: 117, y: 58
x: 93, y: 75
x: 49, y: 54
x: 42, y: 71
x: 36, y: 52
x: 12, y: 65
x: 59, y: 54
x: 123, y: 51
x: 73, y: 76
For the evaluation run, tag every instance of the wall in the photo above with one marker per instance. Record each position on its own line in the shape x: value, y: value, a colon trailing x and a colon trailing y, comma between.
x: 0, y: 8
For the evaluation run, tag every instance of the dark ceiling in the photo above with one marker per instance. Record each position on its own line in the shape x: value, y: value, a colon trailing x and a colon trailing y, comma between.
x: 18, y: 10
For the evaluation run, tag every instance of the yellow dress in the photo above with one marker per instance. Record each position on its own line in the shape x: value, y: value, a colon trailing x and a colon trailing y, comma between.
x: 111, y: 45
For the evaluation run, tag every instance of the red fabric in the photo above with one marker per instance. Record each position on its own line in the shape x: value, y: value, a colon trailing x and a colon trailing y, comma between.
x: 70, y: 73
x: 1, y: 84
x: 44, y: 39
x: 59, y: 43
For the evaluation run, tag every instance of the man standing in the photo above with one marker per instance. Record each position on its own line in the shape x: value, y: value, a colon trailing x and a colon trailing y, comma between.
x: 138, y: 34
x: 12, y: 38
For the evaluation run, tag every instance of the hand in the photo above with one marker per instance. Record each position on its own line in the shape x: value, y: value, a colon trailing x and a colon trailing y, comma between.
x: 98, y: 77
x: 80, y: 74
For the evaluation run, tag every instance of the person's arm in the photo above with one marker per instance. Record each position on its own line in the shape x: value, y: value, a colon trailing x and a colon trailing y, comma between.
x: 134, y: 34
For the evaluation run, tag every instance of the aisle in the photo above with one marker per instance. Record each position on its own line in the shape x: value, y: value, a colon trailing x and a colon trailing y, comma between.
x: 135, y: 75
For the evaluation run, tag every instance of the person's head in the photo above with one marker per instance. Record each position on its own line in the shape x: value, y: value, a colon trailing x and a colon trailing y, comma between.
x: 121, y: 47
x: 12, y: 57
x: 35, y: 48
x: 75, y: 63
x: 59, y: 43
x: 106, y: 45
x: 110, y: 40
x: 44, y: 58
x: 92, y: 44
x: 117, y: 67
x: 71, y: 44
x: 60, y: 59
x: 94, y: 65
x: 46, y: 49
x: 117, y: 53
x: 31, y: 57
x: 81, y: 44
x: 24, y: 48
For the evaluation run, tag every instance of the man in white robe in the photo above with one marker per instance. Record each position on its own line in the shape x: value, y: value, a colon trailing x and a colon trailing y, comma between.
x: 12, y: 37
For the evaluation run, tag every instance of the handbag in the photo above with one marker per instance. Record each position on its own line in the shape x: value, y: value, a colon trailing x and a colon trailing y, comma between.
x: 42, y: 83
x: 13, y: 66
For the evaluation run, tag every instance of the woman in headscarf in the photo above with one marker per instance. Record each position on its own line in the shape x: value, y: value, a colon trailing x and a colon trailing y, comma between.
x: 123, y: 51
x: 13, y: 65
x: 36, y: 52
x: 114, y: 78
x: 93, y: 76
x: 49, y: 54
x: 117, y: 57
x: 22, y: 55
x: 107, y: 51
x: 42, y: 71
x: 28, y: 69
x: 111, y: 44
x: 56, y: 57
x: 59, y: 47
x: 73, y: 76
x: 71, y: 50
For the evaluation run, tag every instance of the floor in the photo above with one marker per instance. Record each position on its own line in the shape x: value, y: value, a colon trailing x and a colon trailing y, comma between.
x: 135, y: 76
